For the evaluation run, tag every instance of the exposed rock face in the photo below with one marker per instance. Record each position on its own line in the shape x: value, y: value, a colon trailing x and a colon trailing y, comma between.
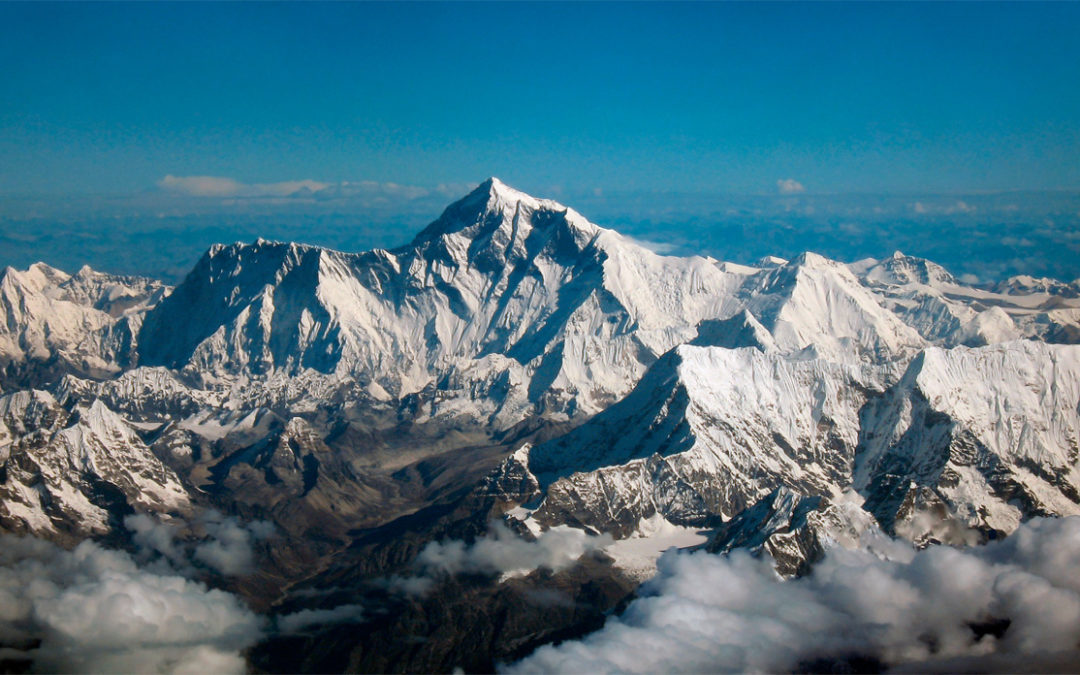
x: 76, y: 473
x: 795, y: 530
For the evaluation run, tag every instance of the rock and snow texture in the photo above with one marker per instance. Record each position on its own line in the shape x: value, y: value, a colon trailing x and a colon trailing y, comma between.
x: 988, y: 436
x: 503, y: 291
x: 962, y: 445
x: 75, y: 473
x: 84, y: 323
x: 796, y: 530
x: 707, y: 433
x: 716, y: 384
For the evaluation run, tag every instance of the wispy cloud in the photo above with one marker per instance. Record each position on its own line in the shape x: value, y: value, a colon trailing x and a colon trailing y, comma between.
x: 789, y: 186
x: 222, y: 187
x: 221, y: 543
x: 298, y: 622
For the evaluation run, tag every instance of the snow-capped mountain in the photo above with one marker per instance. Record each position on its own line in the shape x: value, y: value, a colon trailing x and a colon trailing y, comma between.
x: 74, y: 473
x: 501, y: 287
x: 509, y: 308
x: 516, y: 360
x: 949, y: 313
x: 977, y: 439
x: 57, y: 323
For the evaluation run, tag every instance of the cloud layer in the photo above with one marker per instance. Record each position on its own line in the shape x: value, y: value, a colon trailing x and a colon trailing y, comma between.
x: 95, y: 610
x: 992, y: 608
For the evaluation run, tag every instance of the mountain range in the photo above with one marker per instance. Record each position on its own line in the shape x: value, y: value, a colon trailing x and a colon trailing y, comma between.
x: 514, y: 375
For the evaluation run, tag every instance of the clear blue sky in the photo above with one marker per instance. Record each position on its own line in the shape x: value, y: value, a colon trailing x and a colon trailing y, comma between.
x: 709, y: 97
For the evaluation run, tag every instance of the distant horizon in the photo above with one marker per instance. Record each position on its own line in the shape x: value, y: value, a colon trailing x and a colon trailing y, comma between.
x: 982, y: 237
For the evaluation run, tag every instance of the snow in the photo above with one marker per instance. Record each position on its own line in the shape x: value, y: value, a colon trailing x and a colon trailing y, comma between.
x: 706, y: 384
x: 637, y: 554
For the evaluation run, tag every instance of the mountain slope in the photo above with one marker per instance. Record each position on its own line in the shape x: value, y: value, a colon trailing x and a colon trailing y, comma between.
x: 578, y: 309
x: 56, y: 323
x: 73, y: 473
x: 707, y: 432
x: 976, y: 438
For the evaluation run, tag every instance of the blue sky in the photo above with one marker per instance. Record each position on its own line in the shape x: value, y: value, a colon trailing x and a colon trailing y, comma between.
x: 727, y: 98
x: 135, y: 135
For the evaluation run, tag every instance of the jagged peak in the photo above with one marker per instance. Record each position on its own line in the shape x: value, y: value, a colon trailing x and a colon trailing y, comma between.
x: 770, y: 261
x: 259, y: 245
x: 494, y: 203
x: 37, y: 277
x: 900, y: 268
x: 495, y: 189
x: 811, y: 260
x: 741, y: 330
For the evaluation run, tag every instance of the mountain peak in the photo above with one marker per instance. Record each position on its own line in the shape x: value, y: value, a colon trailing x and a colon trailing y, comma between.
x: 493, y: 191
x: 492, y: 184
x: 493, y: 205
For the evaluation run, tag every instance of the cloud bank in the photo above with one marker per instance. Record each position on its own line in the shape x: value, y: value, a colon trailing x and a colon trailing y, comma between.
x: 95, y: 610
x: 1009, y: 605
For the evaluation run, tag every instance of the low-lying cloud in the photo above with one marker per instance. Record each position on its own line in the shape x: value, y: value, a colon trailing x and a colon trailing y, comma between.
x: 500, y: 552
x: 221, y: 543
x: 1009, y: 604
x: 96, y: 610
x: 299, y: 621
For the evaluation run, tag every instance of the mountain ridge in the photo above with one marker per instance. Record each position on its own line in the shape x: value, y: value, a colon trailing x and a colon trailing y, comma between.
x: 515, y: 364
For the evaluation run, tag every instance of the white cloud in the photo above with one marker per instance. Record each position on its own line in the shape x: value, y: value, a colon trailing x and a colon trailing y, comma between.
x: 789, y: 186
x: 228, y: 548
x: 305, y: 618
x: 218, y: 186
x: 201, y: 186
x: 959, y: 206
x: 229, y: 188
x: 221, y: 543
x: 95, y: 610
x: 708, y: 613
x: 501, y: 552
